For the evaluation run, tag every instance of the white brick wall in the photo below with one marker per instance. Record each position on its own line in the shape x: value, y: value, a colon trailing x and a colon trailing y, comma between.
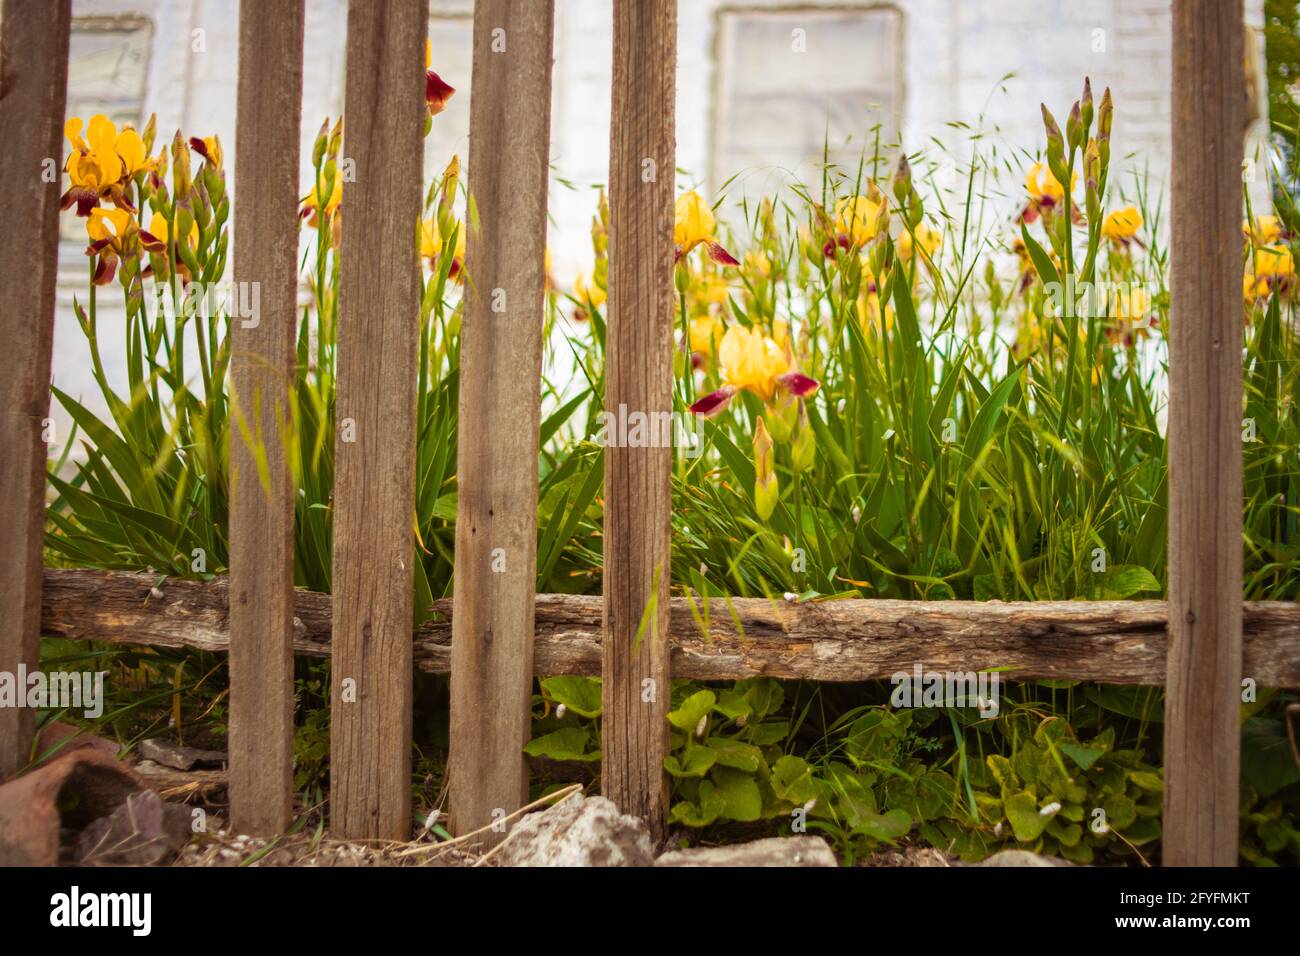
x: 955, y: 56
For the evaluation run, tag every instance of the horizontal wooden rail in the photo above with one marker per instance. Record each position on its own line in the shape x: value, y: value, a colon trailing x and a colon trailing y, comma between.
x: 1118, y: 642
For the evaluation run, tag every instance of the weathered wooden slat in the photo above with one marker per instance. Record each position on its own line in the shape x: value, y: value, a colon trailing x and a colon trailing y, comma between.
x: 261, y: 379
x: 33, y: 87
x: 1202, y: 724
x: 500, y: 384
x: 1121, y: 642
x: 374, y: 459
x: 638, y: 377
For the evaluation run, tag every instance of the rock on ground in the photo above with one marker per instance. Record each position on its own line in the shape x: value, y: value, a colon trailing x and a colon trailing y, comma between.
x: 773, y: 851
x: 1022, y: 858
x: 910, y: 856
x: 577, y: 831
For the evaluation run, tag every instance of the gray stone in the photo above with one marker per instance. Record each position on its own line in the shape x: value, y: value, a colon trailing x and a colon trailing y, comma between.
x: 577, y: 831
x: 774, y: 851
x: 1022, y: 858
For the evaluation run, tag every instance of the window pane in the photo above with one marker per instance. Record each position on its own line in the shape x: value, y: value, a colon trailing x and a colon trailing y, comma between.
x: 108, y: 60
x: 793, y: 82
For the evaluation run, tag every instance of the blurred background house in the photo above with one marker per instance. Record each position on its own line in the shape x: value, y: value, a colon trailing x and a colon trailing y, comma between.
x: 763, y: 87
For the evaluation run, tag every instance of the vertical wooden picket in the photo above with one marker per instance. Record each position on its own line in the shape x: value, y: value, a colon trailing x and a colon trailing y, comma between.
x: 33, y: 88
x: 638, y: 378
x: 1202, y: 731
x: 374, y: 459
x: 261, y: 381
x: 500, y: 385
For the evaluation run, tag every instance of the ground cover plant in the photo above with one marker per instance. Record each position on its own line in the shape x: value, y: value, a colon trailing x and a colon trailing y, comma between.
x: 902, y: 390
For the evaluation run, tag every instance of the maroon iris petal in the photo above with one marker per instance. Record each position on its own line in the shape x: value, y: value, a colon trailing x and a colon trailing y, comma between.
x: 436, y: 92
x: 200, y: 147
x: 798, y: 384
x: 105, y: 269
x: 86, y: 199
x: 721, y: 256
x: 714, y: 401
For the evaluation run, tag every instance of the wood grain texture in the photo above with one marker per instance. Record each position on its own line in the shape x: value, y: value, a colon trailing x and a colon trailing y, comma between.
x: 33, y: 85
x: 261, y: 380
x: 500, y: 385
x: 1203, y: 700
x: 374, y: 489
x: 1118, y: 642
x: 638, y: 375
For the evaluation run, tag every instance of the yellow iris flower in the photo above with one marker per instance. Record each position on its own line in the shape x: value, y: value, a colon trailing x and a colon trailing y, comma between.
x: 588, y: 291
x: 108, y: 229
x: 1043, y: 187
x: 752, y: 360
x: 1274, y: 262
x: 1265, y: 231
x: 1274, y: 270
x: 155, y: 239
x: 859, y: 219
x: 1122, y: 224
x: 706, y: 332
x: 108, y: 226
x: 693, y: 225
x: 101, y: 163
x: 431, y: 245
x: 311, y: 203
x: 757, y: 362
x: 928, y: 239
x: 209, y: 147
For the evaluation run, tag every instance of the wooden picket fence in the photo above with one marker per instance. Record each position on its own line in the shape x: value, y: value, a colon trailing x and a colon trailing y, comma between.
x: 501, y: 634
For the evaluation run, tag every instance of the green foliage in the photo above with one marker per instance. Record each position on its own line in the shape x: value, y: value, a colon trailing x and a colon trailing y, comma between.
x: 967, y: 441
x: 1082, y: 782
x: 1282, y: 55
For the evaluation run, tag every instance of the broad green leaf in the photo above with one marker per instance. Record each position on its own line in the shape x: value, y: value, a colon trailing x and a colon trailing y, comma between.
x: 579, y: 694
x: 735, y: 753
x: 1084, y: 756
x: 694, y: 762
x: 740, y: 795
x: 792, y: 779
x: 885, y: 827
x: 1267, y: 763
x: 1123, y: 581
x: 1022, y: 812
x: 570, y: 743
x: 695, y: 708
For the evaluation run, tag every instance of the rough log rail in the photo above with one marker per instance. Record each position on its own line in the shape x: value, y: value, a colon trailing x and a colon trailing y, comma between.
x: 1119, y: 642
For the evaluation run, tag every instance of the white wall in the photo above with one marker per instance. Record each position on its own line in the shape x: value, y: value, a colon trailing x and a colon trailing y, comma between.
x: 956, y: 54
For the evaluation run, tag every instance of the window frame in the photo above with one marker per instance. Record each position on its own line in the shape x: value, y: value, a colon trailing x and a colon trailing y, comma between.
x: 714, y: 176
